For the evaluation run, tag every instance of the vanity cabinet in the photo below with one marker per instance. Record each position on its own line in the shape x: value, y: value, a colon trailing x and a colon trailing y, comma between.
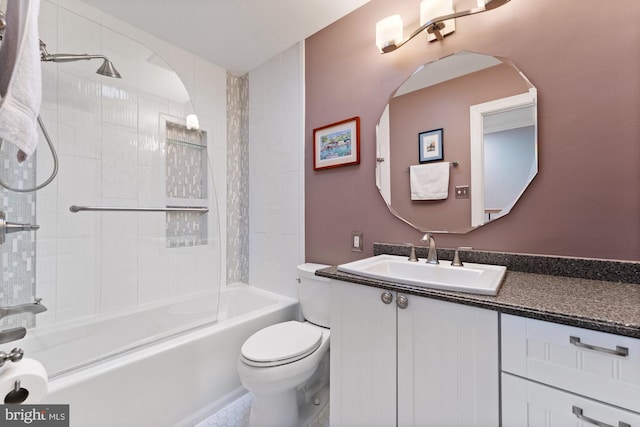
x: 431, y: 363
x: 558, y: 375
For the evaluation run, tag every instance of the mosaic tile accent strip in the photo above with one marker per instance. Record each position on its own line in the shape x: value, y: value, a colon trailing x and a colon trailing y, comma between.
x: 186, y: 180
x: 186, y: 229
x: 186, y: 163
x: 18, y: 253
x: 237, y: 178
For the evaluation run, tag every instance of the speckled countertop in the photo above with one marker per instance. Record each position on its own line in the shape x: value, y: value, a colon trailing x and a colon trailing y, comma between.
x: 603, y: 305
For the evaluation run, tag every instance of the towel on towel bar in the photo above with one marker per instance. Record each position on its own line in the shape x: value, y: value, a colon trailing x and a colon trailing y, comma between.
x: 429, y: 182
x: 20, y: 77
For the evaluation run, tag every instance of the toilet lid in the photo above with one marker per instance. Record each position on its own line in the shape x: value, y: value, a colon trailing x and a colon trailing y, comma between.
x: 281, y: 343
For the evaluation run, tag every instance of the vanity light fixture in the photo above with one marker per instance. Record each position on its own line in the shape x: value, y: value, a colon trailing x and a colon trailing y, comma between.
x: 389, y: 31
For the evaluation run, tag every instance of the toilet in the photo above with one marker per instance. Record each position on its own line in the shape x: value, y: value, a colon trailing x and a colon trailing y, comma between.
x: 286, y: 366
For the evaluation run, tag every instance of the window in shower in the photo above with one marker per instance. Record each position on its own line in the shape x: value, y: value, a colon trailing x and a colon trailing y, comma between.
x: 186, y: 185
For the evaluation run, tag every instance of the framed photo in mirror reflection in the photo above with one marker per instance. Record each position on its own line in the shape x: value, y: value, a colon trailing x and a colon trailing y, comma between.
x: 337, y: 144
x: 430, y: 146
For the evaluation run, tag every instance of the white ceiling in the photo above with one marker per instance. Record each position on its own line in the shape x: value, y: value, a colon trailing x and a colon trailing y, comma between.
x: 237, y: 35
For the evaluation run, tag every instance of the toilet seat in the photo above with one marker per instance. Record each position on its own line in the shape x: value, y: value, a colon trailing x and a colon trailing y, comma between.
x: 280, y: 344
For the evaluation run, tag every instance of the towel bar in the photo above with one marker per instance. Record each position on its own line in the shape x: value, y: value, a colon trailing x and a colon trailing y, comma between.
x: 452, y: 164
x: 76, y: 209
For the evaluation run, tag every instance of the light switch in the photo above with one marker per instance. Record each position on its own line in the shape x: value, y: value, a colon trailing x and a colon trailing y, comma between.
x: 356, y: 241
x: 462, y: 191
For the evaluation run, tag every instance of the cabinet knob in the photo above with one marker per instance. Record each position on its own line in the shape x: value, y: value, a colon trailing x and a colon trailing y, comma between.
x: 402, y: 302
x: 386, y: 297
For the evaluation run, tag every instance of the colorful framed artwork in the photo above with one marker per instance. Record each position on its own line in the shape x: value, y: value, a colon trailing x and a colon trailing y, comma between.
x: 337, y: 144
x: 430, y: 146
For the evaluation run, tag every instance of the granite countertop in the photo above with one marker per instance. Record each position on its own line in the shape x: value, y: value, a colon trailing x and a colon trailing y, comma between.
x: 606, y: 306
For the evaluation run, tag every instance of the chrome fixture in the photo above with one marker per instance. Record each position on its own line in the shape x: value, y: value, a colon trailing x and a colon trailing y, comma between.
x: 56, y: 164
x: 619, y: 351
x: 106, y: 69
x: 31, y: 307
x: 432, y: 255
x: 412, y: 255
x: 76, y: 209
x: 7, y: 227
x: 402, y: 302
x: 456, y: 259
x: 12, y: 334
x: 386, y: 297
x: 389, y: 31
x: 15, y: 356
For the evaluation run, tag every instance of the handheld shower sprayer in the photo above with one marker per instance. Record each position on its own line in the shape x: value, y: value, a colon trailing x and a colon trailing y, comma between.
x: 106, y: 69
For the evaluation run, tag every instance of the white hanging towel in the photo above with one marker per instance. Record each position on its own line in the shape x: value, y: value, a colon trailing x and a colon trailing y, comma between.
x: 20, y: 77
x: 429, y: 182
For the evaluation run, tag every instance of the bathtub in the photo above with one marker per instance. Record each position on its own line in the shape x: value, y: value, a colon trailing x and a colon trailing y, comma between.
x: 177, y: 381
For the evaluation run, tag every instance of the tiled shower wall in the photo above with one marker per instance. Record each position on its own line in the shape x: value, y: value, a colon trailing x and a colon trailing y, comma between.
x: 238, y: 178
x: 111, y: 154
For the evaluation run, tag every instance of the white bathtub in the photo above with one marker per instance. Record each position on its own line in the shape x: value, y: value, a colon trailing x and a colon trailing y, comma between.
x: 176, y: 382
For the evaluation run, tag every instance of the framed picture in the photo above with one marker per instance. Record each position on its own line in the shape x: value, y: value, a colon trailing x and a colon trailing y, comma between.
x: 430, y: 146
x: 337, y: 144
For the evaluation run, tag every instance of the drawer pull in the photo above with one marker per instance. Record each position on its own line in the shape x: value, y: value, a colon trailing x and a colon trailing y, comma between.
x: 619, y: 351
x: 579, y: 414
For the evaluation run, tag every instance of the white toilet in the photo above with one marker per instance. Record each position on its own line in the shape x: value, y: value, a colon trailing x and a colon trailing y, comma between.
x: 286, y: 366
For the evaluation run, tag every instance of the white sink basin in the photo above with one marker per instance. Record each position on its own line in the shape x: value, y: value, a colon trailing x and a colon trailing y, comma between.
x: 482, y: 279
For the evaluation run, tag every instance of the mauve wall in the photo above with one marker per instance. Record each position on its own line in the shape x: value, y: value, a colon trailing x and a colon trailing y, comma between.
x: 584, y: 58
x: 423, y: 110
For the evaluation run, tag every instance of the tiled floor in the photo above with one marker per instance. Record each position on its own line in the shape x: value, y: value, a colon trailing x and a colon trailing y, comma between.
x: 236, y: 414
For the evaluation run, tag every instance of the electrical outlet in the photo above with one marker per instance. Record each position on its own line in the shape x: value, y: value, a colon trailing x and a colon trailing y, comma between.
x: 462, y: 191
x: 356, y: 241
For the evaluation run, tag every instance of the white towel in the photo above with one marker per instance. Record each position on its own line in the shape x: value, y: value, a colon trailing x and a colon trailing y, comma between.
x: 429, y: 182
x: 20, y: 77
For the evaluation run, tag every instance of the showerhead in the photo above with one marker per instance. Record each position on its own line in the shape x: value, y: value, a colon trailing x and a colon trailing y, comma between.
x: 106, y: 69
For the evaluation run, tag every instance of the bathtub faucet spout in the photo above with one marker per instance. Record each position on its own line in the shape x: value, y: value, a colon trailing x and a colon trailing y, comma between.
x: 31, y: 307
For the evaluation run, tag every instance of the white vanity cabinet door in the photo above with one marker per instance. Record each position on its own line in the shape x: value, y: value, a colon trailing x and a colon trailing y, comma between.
x: 544, y: 352
x: 363, y: 357
x: 448, y: 366
x: 529, y: 404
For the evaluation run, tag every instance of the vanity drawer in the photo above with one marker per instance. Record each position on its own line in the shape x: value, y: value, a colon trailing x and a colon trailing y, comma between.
x: 597, y: 365
x: 526, y: 403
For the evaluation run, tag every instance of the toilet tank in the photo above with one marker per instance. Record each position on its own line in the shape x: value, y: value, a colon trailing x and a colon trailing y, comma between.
x: 313, y: 292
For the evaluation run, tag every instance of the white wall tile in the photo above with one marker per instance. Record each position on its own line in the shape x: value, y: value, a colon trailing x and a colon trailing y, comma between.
x: 119, y: 164
x: 111, y: 153
x: 276, y: 189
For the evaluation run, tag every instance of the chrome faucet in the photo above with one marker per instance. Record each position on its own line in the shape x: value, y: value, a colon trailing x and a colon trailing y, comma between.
x: 31, y: 307
x: 412, y: 252
x: 432, y: 255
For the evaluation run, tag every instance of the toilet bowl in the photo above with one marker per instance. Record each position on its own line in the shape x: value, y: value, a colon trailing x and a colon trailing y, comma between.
x: 286, y: 366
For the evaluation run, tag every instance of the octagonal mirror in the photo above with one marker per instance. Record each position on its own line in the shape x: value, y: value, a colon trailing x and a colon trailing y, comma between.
x: 483, y: 111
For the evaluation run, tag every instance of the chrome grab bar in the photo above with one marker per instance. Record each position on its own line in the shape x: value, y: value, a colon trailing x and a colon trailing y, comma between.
x: 619, y: 351
x: 76, y: 209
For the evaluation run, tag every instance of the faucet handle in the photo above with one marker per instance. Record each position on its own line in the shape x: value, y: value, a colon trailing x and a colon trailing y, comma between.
x: 456, y: 256
x: 412, y: 256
